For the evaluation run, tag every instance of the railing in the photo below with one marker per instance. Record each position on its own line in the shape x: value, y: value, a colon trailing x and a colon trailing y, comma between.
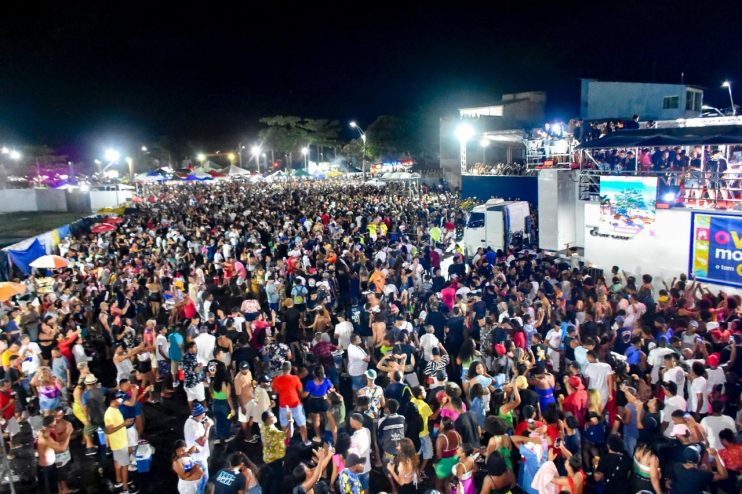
x: 689, y: 187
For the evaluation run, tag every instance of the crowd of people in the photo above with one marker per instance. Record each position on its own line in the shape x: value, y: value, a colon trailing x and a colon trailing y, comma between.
x: 330, y: 325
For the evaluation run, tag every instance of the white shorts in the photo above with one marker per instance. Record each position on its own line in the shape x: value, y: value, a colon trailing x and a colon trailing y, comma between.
x: 121, y: 457
x: 195, y: 393
x: 132, y: 436
x: 253, y: 412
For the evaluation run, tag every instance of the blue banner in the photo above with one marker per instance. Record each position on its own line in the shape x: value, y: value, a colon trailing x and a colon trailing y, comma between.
x: 22, y: 258
x: 716, y: 248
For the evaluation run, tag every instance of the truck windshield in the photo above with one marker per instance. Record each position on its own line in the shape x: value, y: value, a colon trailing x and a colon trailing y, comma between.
x: 476, y: 220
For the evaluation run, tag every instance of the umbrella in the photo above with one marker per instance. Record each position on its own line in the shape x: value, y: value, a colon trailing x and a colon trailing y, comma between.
x: 113, y: 220
x: 102, y: 228
x: 50, y: 262
x: 8, y: 290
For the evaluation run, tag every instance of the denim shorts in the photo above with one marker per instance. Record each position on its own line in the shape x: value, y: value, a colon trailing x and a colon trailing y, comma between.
x: 297, y: 413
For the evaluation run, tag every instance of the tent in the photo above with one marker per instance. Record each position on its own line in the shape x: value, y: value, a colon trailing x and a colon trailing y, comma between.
x: 236, y: 170
x: 208, y: 166
x: 300, y: 173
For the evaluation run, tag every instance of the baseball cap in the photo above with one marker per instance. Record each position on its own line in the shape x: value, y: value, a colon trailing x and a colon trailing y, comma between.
x: 713, y: 360
x: 441, y: 375
x: 122, y: 396
x: 691, y: 455
x: 244, y: 365
x: 371, y: 374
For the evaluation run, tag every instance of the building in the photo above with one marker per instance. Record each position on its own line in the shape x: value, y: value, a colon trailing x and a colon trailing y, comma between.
x: 513, y: 111
x: 603, y: 100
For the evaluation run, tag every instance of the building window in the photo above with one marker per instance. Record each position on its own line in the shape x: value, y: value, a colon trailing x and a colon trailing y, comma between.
x: 697, y: 101
x: 689, y: 100
x: 670, y: 102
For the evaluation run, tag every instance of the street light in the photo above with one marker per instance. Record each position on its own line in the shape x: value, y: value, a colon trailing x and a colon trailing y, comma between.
x: 5, y: 150
x: 354, y: 125
x: 464, y: 132
x: 112, y: 155
x: 144, y: 149
x: 201, y: 157
x: 14, y: 155
x: 255, y: 150
x: 130, y: 162
x: 484, y: 143
x: 230, y: 157
x: 305, y: 152
x: 728, y: 85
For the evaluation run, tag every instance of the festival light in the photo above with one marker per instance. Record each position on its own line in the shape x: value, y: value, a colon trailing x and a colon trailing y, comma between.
x: 464, y: 132
x: 112, y: 155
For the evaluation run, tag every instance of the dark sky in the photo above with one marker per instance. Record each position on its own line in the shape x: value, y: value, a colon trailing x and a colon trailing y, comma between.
x: 86, y: 77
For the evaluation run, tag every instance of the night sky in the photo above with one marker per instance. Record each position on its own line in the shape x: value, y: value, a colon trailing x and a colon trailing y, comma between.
x: 83, y: 77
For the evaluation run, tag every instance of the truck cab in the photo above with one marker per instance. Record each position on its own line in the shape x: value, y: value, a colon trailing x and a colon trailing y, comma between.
x: 492, y: 224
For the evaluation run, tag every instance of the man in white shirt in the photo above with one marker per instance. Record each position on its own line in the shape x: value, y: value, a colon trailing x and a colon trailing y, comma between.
x: 196, y: 434
x: 29, y: 353
x: 698, y: 396
x: 428, y: 341
x: 656, y: 359
x: 715, y: 423
x: 599, y: 376
x: 205, y: 343
x: 343, y: 330
x: 358, y: 361
x: 360, y: 444
x: 673, y: 402
x: 673, y: 373
x: 714, y: 373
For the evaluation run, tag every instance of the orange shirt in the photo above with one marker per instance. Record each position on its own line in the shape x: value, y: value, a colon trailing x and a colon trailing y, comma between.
x: 378, y: 279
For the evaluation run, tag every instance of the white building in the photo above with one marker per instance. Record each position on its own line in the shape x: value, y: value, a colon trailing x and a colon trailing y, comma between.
x: 601, y: 100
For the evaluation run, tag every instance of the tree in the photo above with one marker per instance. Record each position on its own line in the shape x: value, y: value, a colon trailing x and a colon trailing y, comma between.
x: 283, y: 135
x: 389, y: 137
x: 353, y: 151
x: 322, y: 133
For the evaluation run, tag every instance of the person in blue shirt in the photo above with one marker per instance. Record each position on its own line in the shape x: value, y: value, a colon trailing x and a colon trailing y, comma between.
x: 175, y: 354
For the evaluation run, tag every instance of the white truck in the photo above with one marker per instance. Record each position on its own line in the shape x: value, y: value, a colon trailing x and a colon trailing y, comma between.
x: 493, y: 224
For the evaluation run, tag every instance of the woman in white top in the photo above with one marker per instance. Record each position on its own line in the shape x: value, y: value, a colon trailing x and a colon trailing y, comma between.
x: 188, y: 471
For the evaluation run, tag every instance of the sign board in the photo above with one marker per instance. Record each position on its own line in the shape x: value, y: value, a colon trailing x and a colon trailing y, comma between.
x: 716, y: 248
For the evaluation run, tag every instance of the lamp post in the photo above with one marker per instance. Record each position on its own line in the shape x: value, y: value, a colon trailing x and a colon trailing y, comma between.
x: 305, y: 152
x: 728, y: 85
x: 130, y: 162
x: 256, y: 154
x: 484, y: 143
x: 464, y: 132
x: 363, y: 138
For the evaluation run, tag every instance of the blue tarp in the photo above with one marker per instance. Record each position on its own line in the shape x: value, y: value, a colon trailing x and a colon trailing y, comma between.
x: 22, y: 258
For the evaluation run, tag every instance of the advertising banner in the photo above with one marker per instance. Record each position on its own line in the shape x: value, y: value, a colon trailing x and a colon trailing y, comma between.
x: 716, y: 248
x: 627, y: 206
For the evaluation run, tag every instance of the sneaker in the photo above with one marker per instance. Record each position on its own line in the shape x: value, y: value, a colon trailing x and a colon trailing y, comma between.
x: 118, y: 485
x: 91, y: 451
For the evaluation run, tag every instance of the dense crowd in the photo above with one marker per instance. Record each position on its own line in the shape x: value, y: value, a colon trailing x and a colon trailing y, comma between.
x: 330, y: 324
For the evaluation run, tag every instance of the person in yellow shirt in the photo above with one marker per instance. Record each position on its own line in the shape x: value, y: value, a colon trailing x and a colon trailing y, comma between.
x: 274, y: 439
x: 9, y: 352
x: 118, y: 440
x: 426, y: 444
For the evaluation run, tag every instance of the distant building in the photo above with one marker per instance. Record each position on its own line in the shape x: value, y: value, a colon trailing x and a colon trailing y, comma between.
x: 602, y: 100
x: 513, y: 111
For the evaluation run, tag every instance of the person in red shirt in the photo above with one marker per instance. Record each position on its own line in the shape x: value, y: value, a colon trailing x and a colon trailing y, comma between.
x: 7, y: 412
x: 288, y: 387
x: 64, y: 344
x: 576, y: 400
x: 731, y: 455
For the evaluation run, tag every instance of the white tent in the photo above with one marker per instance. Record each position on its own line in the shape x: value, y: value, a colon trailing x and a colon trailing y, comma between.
x: 236, y: 170
x: 209, y: 166
x: 376, y: 182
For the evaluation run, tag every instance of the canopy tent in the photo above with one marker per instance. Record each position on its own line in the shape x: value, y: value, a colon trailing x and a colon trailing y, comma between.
x: 375, y: 182
x: 196, y: 175
x: 209, y: 166
x: 279, y: 173
x: 300, y: 173
x: 400, y: 176
x: 674, y: 136
x: 236, y: 170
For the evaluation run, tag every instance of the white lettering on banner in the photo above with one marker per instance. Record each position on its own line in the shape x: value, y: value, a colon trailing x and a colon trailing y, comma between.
x: 728, y: 254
